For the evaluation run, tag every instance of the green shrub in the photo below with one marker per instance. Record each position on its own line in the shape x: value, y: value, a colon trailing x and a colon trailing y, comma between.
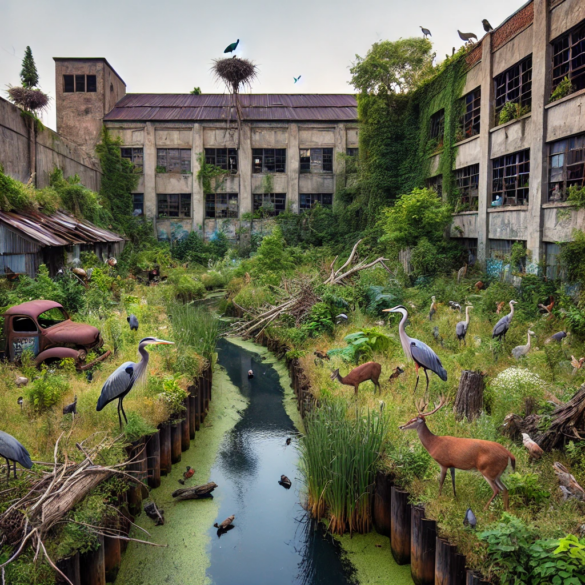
x: 173, y: 395
x: 563, y: 89
x: 409, y: 462
x: 319, y: 321
x: 560, y: 562
x: 527, y: 488
x: 512, y: 111
x: 137, y: 427
x: 46, y: 391
x: 185, y: 287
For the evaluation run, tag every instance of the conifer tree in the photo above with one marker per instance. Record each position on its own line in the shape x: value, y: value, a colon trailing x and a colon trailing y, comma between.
x: 29, y: 74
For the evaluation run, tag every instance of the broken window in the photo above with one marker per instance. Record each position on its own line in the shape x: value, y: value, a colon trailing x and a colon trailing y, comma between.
x: 511, y: 178
x: 352, y: 152
x: 552, y: 253
x: 221, y: 205
x: 135, y: 156
x: 502, y: 250
x: 174, y: 205
x: 80, y: 83
x: 436, y: 183
x: 515, y: 85
x: 566, y: 167
x: 270, y: 203
x: 467, y: 188
x: 569, y: 58
x: 68, y: 83
x: 91, y: 83
x: 269, y: 160
x: 469, y: 121
x: 470, y: 246
x: 224, y: 158
x: 316, y: 160
x: 309, y: 200
x: 173, y: 160
x: 438, y: 127
x: 137, y: 204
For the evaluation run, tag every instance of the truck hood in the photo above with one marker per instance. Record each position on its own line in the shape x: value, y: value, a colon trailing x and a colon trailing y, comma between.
x: 70, y: 333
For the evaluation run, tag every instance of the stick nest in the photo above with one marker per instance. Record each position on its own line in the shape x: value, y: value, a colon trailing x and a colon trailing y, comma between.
x: 235, y: 73
x: 32, y: 100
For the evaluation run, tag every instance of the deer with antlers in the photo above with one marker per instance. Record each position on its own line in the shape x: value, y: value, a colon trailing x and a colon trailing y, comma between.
x: 489, y: 458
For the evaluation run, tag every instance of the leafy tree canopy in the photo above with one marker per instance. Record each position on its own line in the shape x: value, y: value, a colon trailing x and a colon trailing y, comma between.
x: 29, y: 74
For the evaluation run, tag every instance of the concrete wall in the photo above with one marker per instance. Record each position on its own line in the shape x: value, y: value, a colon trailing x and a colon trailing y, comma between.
x: 52, y: 151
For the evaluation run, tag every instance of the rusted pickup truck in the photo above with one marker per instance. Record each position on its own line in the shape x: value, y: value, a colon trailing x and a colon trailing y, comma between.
x: 45, y: 329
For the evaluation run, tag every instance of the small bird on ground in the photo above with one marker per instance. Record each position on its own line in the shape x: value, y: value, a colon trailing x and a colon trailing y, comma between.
x: 341, y: 318
x: 479, y: 285
x: 250, y: 374
x: 188, y: 474
x: 576, y: 363
x: 133, y: 322
x: 500, y: 306
x: 426, y: 32
x: 285, y: 482
x: 397, y: 371
x: 535, y: 451
x: 226, y: 523
x: 321, y: 354
x: 470, y: 519
x: 567, y: 480
x: 433, y: 308
x: 288, y: 441
x: 466, y: 36
x: 89, y: 375
x: 71, y: 408
x: 486, y: 25
x: 547, y: 308
x: 455, y: 306
x: 296, y: 78
x: 557, y: 337
x: 20, y: 402
x: 232, y: 47
x: 21, y: 381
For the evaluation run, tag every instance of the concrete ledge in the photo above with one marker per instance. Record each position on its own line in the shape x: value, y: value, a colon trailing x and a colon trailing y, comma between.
x: 554, y: 204
x: 567, y: 98
x: 508, y: 208
x: 465, y: 213
x: 467, y: 140
x: 511, y: 122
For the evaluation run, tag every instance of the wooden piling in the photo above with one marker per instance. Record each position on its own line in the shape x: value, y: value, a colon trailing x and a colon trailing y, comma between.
x: 70, y: 568
x: 197, y: 396
x: 423, y: 534
x: 210, y: 382
x: 459, y: 576
x: 192, y: 415
x: 176, y: 442
x: 203, y: 410
x: 444, y: 563
x: 153, y: 455
x: 473, y: 578
x: 165, y: 448
x: 92, y: 566
x: 112, y: 558
x: 400, y: 526
x: 382, y: 502
x: 207, y: 391
x: 185, y: 435
x: 135, y: 470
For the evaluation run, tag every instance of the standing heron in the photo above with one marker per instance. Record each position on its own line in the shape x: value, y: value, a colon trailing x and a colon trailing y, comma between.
x: 126, y: 376
x: 422, y: 355
x: 502, y: 326
x: 13, y: 451
x: 522, y: 350
x: 462, y: 326
x: 433, y: 309
x: 426, y: 32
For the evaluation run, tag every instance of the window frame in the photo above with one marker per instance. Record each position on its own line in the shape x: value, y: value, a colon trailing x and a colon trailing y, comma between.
x: 572, y: 169
x: 182, y: 201
x: 436, y: 184
x: 211, y: 158
x: 180, y: 161
x: 563, y: 47
x: 277, y: 155
x: 470, y: 118
x: 134, y: 204
x: 278, y: 206
x: 134, y: 156
x: 467, y: 183
x: 502, y: 173
x: 76, y: 78
x: 437, y: 127
x: 505, y: 88
x: 222, y: 201
x: 315, y: 198
x: 323, y: 157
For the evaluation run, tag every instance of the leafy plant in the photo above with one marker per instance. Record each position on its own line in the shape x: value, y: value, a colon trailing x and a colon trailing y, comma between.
x: 576, y: 196
x: 137, y: 427
x: 173, y: 394
x: 563, y: 89
x: 512, y: 111
x: 46, y: 391
x: 319, y: 320
x: 527, y: 487
x: 362, y: 343
x: 560, y: 562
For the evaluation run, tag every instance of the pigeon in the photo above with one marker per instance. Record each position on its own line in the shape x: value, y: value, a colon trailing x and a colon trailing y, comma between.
x: 486, y: 25
x: 426, y: 32
x: 470, y: 519
x: 133, y: 322
x: 466, y: 36
x: 535, y: 451
x: 296, y: 78
x: 21, y: 381
x: 285, y: 482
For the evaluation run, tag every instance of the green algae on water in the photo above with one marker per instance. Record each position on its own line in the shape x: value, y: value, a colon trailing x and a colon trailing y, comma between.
x: 185, y: 559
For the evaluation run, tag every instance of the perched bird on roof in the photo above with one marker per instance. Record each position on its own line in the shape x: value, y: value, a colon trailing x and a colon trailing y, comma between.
x: 133, y: 322
x: 576, y: 363
x: 285, y: 482
x: 12, y: 450
x: 470, y: 519
x: 433, y: 308
x: 486, y: 25
x: 231, y: 48
x: 426, y: 32
x: 535, y: 451
x: 296, y: 78
x: 557, y: 337
x: 466, y: 36
x: 498, y: 201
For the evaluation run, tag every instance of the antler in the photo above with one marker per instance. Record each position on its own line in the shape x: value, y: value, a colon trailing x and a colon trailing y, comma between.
x: 422, y: 405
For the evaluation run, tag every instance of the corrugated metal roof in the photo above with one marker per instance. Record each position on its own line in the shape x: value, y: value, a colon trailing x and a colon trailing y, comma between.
x: 59, y: 229
x: 258, y: 107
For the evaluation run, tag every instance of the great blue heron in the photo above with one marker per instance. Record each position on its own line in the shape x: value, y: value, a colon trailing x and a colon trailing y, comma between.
x: 13, y: 451
x: 426, y: 32
x: 486, y: 25
x: 462, y: 326
x: 126, y: 376
x: 501, y: 327
x: 133, y: 322
x: 522, y: 350
x: 422, y: 355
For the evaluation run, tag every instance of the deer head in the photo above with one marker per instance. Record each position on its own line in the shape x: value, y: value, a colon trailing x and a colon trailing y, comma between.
x: 419, y: 420
x: 335, y: 374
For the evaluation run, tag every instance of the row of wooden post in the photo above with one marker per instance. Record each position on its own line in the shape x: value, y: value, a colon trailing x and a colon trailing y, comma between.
x: 150, y: 458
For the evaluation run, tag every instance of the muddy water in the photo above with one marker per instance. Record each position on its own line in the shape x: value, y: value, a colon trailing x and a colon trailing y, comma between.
x: 273, y: 540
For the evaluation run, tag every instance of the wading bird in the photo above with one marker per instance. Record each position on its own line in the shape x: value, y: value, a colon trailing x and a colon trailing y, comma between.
x: 533, y: 448
x: 486, y: 25
x: 133, y: 322
x: 422, y: 355
x: 426, y: 32
x: 231, y: 48
x: 433, y: 309
x: 462, y: 326
x: 296, y: 78
x: 126, y: 376
x: 466, y: 36
x: 13, y: 451
x: 522, y: 350
x: 501, y: 327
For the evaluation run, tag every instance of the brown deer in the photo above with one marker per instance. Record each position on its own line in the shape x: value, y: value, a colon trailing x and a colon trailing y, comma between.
x: 369, y: 371
x: 489, y: 458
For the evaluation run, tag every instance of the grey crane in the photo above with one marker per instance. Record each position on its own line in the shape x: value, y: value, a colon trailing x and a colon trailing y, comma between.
x: 133, y: 322
x: 486, y: 25
x: 126, y: 376
x: 426, y: 32
x: 433, y: 309
x: 462, y: 326
x: 13, y: 451
x: 422, y: 355
x: 501, y: 327
x: 466, y: 36
x: 521, y: 350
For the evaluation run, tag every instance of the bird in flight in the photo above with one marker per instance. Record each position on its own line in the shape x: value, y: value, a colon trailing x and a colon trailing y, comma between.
x: 466, y: 36
x: 296, y: 78
x: 426, y: 32
x: 231, y: 48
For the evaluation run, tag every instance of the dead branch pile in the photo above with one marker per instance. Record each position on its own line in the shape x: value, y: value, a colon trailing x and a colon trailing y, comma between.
x: 568, y: 423
x: 301, y: 296
x: 51, y: 496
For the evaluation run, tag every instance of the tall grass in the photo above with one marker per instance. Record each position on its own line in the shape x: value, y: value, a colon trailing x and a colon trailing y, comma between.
x: 339, y: 455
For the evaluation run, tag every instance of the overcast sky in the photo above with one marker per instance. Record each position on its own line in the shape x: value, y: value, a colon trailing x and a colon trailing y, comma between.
x: 167, y: 46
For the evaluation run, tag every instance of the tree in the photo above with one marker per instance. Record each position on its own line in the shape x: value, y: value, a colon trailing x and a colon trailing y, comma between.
x: 29, y: 74
x: 393, y: 66
x: 195, y: 91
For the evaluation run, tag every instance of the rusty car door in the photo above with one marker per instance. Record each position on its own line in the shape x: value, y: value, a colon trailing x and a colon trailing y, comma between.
x: 23, y: 335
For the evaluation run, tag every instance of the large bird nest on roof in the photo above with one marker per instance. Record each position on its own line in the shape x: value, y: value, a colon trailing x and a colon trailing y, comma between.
x: 31, y: 100
x: 235, y: 73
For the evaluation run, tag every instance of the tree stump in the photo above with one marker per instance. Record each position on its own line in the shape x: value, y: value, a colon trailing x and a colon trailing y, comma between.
x: 469, y: 400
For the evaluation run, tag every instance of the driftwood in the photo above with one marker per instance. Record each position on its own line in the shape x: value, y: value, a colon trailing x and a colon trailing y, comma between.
x: 469, y: 400
x: 154, y: 513
x: 568, y: 423
x: 195, y: 493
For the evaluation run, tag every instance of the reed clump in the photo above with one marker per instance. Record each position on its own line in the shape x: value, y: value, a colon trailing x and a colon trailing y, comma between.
x: 339, y: 455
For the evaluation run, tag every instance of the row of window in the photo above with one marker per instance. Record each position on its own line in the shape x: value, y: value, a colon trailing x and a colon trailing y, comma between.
x: 79, y: 83
x: 226, y: 205
x: 264, y: 160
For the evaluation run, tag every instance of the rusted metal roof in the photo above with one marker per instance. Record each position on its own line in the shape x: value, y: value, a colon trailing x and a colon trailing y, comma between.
x: 33, y: 308
x: 59, y: 229
x: 255, y: 107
